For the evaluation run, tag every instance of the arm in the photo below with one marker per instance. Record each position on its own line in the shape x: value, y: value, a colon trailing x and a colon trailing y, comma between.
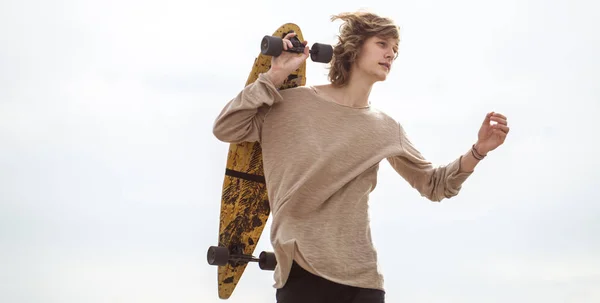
x: 446, y: 181
x: 241, y: 119
x: 470, y: 159
x: 434, y: 183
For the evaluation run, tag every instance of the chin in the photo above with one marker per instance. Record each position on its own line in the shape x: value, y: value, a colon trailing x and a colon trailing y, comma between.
x: 380, y: 77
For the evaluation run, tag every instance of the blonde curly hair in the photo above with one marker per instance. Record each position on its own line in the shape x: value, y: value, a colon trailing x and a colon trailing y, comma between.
x: 356, y: 28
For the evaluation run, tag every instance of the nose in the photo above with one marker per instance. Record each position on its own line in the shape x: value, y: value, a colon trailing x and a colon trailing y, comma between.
x: 390, y: 54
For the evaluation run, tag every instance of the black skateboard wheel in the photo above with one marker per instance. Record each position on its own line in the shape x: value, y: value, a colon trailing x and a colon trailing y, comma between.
x: 217, y: 255
x: 322, y: 53
x: 267, y: 261
x: 271, y: 46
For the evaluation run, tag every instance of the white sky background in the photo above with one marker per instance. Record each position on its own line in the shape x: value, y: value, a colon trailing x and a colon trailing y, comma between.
x: 111, y: 178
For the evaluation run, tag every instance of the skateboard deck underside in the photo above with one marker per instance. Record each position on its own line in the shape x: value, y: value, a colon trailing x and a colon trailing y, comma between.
x: 245, y: 205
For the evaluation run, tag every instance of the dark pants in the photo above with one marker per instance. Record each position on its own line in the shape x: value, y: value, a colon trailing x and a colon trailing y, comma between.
x: 304, y: 287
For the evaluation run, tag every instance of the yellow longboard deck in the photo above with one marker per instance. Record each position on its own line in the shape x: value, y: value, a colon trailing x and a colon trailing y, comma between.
x: 245, y: 205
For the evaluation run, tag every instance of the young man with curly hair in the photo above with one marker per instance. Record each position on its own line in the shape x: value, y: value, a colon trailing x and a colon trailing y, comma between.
x: 322, y: 146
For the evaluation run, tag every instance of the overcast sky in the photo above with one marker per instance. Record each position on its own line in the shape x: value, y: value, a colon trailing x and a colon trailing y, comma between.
x: 111, y: 178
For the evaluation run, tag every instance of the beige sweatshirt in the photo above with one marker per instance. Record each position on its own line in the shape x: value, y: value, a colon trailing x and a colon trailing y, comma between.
x: 320, y: 162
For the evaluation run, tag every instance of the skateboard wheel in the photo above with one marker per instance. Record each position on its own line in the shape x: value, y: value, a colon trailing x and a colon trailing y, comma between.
x: 271, y: 46
x: 217, y: 255
x: 321, y: 53
x: 267, y: 261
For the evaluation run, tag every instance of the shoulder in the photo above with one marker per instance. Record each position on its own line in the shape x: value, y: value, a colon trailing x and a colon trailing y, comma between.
x: 299, y: 96
x: 286, y: 93
x: 384, y: 117
x: 297, y: 92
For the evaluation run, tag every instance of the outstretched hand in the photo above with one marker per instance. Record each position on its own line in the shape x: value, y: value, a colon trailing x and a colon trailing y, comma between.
x: 491, y: 135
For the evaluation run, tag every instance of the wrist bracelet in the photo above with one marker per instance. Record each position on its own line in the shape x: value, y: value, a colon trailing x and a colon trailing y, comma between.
x: 475, y: 154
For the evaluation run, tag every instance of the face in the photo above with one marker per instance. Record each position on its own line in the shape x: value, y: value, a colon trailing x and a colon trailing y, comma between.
x: 376, y: 57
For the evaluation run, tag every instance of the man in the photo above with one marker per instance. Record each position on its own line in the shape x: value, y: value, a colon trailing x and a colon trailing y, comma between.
x: 321, y: 150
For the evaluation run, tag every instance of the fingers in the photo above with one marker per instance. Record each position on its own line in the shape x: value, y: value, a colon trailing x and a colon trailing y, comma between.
x: 287, y: 44
x: 498, y: 120
x: 289, y: 35
x: 495, y: 117
x: 486, y: 121
x: 306, y: 49
x: 501, y: 127
x: 499, y: 115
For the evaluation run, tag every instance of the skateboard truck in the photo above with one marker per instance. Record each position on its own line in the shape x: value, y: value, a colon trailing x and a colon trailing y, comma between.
x: 273, y: 46
x: 220, y: 256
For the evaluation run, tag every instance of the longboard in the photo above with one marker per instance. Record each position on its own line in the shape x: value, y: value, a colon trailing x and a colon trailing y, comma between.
x: 244, y: 204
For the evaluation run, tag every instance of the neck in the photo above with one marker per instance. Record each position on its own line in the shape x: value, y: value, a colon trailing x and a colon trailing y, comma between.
x: 356, y: 92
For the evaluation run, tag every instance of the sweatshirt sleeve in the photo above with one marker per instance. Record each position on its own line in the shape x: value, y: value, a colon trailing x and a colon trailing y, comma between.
x: 434, y: 183
x: 242, y: 117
